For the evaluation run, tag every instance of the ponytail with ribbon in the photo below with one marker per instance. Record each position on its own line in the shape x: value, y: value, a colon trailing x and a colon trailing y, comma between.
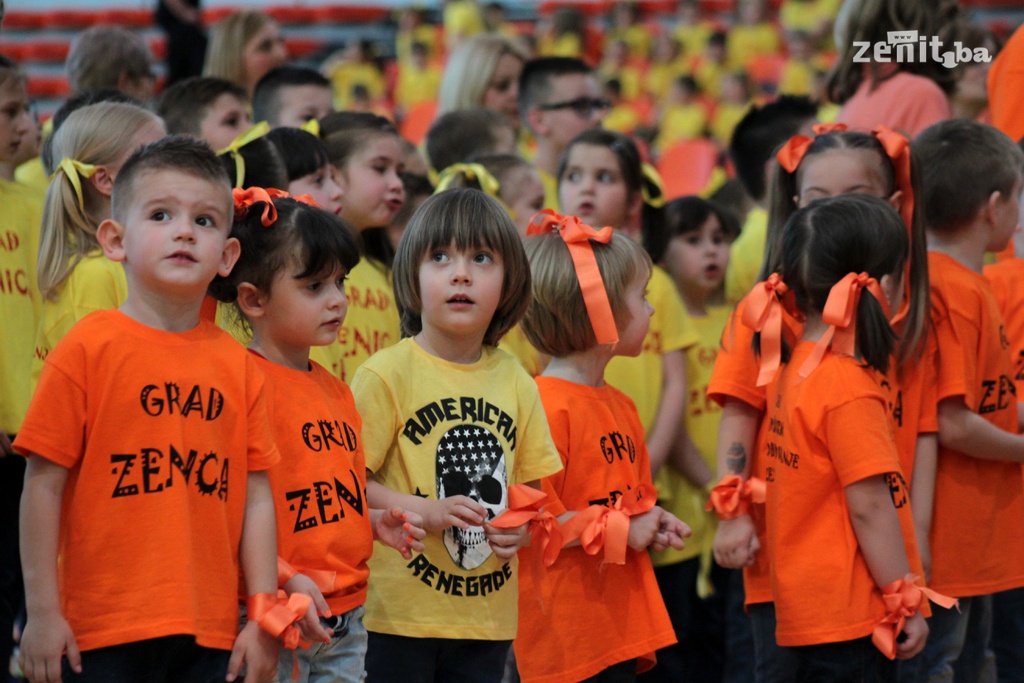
x: 762, y: 312
x: 75, y: 171
x: 236, y: 145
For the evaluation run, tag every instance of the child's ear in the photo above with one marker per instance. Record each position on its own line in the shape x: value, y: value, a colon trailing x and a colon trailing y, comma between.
x: 251, y: 301
x: 228, y: 257
x: 896, y: 199
x: 990, y: 209
x: 103, y: 181
x: 110, y: 235
x: 535, y: 120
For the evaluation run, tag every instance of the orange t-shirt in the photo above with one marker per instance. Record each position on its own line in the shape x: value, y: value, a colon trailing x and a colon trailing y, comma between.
x: 826, y: 432
x: 1005, y: 94
x: 579, y: 616
x: 323, y: 519
x: 905, y: 102
x: 977, y: 547
x: 1007, y: 279
x: 158, y: 431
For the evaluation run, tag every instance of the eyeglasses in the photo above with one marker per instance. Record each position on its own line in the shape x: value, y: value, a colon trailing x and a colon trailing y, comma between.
x: 584, y: 107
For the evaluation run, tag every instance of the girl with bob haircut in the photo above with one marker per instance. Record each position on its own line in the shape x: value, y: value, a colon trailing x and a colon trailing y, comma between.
x: 289, y: 285
x: 592, y: 615
x: 461, y: 281
x: 243, y: 47
x: 836, y: 478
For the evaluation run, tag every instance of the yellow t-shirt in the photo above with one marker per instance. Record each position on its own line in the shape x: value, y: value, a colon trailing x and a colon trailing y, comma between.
x: 424, y: 33
x: 808, y: 16
x: 416, y: 85
x: 681, y: 122
x: 709, y: 77
x: 681, y: 497
x: 372, y: 321
x: 746, y: 42
x: 629, y: 78
x: 797, y: 78
x: 96, y: 284
x: 20, y: 303
x: 550, y: 189
x: 519, y: 347
x: 640, y: 378
x: 437, y: 429
x: 462, y: 19
x: 344, y: 75
x: 659, y: 77
x: 637, y: 37
x: 33, y: 174
x: 693, y: 39
x: 746, y: 255
x: 565, y: 45
x: 623, y: 118
x: 727, y: 117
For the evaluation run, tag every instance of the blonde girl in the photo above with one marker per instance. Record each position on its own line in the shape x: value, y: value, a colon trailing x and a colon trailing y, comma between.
x: 243, y: 47
x: 75, y: 278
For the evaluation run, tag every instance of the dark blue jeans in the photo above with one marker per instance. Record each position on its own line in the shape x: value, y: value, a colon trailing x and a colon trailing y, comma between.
x: 957, y: 649
x: 12, y: 594
x: 851, y: 661
x: 772, y: 664
x: 171, y: 659
x: 401, y: 659
x: 623, y: 672
x: 1008, y: 635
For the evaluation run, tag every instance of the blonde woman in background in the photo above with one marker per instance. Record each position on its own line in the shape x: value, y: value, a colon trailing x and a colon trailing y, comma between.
x: 244, y: 46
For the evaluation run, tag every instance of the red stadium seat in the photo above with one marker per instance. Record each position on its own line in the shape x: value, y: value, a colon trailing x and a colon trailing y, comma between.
x: 686, y: 166
x: 417, y: 122
x: 48, y: 86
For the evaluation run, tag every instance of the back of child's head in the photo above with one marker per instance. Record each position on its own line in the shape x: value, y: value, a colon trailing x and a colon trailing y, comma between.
x: 458, y: 135
x: 108, y: 57
x: 535, y: 81
x: 185, y: 104
x: 267, y: 99
x: 962, y: 163
x: 95, y: 135
x: 638, y: 180
x: 556, y: 321
x: 256, y: 163
x: 509, y: 173
x: 302, y: 238
x: 303, y: 153
x: 760, y: 132
x: 73, y: 104
x: 467, y: 219
x: 831, y: 238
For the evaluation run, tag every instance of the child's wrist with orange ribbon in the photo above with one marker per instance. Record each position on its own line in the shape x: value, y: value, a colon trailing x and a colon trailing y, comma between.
x: 598, y: 527
x: 284, y: 572
x: 732, y: 496
x: 525, y: 507
x: 903, y: 599
x: 277, y: 616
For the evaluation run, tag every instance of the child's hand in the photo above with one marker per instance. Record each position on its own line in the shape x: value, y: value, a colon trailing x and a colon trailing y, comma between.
x: 643, y: 528
x: 736, y: 543
x: 460, y: 511
x: 506, y: 542
x: 257, y: 651
x: 671, y: 532
x: 43, y: 642
x: 916, y: 632
x: 309, y: 625
x: 402, y: 530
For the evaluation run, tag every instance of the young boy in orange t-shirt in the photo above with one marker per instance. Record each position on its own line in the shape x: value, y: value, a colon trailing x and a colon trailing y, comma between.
x: 153, y: 490
x: 971, y: 177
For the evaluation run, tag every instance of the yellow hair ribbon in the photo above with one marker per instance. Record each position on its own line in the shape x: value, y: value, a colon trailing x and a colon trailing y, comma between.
x: 75, y: 170
x: 254, y: 133
x: 653, y: 177
x: 312, y: 127
x: 477, y: 172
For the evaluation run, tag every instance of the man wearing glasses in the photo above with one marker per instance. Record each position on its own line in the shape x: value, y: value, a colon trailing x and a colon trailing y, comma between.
x: 559, y: 98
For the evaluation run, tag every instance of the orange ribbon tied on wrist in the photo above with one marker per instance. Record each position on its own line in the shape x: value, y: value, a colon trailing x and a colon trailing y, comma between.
x: 600, y: 527
x: 762, y: 312
x: 840, y: 315
x: 325, y: 580
x: 792, y: 153
x: 903, y: 598
x: 731, y: 497
x: 524, y: 506
x: 577, y: 236
x: 277, y: 616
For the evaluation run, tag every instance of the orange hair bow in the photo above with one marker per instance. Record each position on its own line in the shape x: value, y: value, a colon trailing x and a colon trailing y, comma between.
x: 840, y: 315
x: 903, y: 599
x: 731, y: 497
x: 762, y: 312
x: 524, y: 505
x: 577, y: 236
x: 897, y: 148
x: 600, y: 527
x: 792, y: 153
x: 244, y: 199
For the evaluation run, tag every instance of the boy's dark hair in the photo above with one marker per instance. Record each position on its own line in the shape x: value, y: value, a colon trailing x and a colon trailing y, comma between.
x: 760, y: 132
x: 688, y: 83
x: 688, y: 214
x: 830, y: 238
x: 9, y: 69
x: 962, y: 163
x: 652, y: 218
x: 468, y: 219
x: 718, y: 39
x: 176, y: 153
x: 73, y: 104
x: 303, y: 153
x: 535, y: 79
x: 266, y: 97
x: 262, y: 166
x: 322, y: 240
x: 184, y: 105
x: 456, y: 136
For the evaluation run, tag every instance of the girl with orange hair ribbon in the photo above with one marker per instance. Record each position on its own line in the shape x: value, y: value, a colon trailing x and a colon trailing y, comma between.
x: 837, y: 505
x: 597, y: 608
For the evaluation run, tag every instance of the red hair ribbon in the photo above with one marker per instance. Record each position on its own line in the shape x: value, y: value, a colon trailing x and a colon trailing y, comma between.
x: 731, y: 497
x: 600, y: 527
x: 524, y: 505
x: 577, y: 236
x: 903, y: 599
x: 762, y: 312
x: 840, y: 315
x: 792, y: 153
x: 277, y: 616
x: 244, y: 199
